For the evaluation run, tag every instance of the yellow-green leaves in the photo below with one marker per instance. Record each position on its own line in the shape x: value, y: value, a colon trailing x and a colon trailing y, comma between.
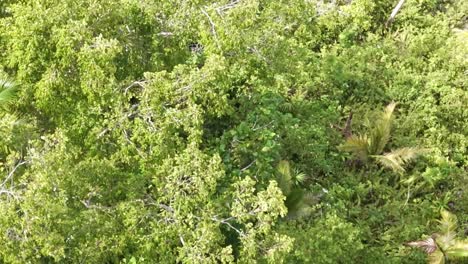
x: 443, y: 245
x: 380, y: 130
x: 358, y: 145
x: 398, y: 158
x: 8, y: 89
x: 372, y: 145
x: 259, y: 213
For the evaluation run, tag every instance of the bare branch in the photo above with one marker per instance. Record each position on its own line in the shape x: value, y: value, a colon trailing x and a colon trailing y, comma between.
x: 10, y: 174
x: 223, y: 8
x: 165, y: 34
x: 346, y: 131
x: 127, y: 138
x: 103, y: 132
x: 213, y: 26
x: 394, y: 12
x: 248, y: 166
x: 134, y: 84
x: 9, y: 193
x: 132, y: 111
x: 225, y: 222
x: 182, y: 240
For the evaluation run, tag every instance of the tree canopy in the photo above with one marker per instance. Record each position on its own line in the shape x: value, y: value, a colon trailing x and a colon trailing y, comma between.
x: 233, y: 131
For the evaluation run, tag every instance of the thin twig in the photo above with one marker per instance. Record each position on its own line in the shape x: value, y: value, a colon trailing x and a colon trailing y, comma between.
x: 213, y: 26
x: 127, y: 138
x: 248, y: 166
x: 262, y: 127
x: 10, y: 174
x: 136, y: 83
x: 225, y: 221
x: 9, y: 193
x: 223, y: 8
x: 165, y: 34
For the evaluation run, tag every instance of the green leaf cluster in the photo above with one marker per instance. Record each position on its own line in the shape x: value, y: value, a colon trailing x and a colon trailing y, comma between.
x: 138, y: 131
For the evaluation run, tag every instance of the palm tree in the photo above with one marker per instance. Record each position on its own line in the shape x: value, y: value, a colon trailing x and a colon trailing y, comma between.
x: 444, y: 245
x: 370, y: 146
x: 8, y: 89
x: 298, y: 201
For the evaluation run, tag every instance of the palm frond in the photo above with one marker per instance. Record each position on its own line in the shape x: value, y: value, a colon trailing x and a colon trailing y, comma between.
x: 294, y: 201
x: 302, y: 211
x: 448, y: 222
x: 458, y: 250
x: 443, y: 245
x: 436, y: 257
x: 447, y: 227
x: 434, y: 254
x: 358, y: 146
x: 299, y: 176
x: 8, y: 89
x: 380, y: 133
x: 310, y: 198
x: 429, y: 245
x: 388, y: 112
x: 284, y: 178
x: 301, y: 203
x: 396, y: 159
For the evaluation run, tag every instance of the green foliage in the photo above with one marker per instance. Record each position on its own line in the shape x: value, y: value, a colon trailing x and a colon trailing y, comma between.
x: 374, y: 143
x: 202, y: 132
x: 8, y: 90
x: 364, y: 147
x: 443, y: 246
x: 299, y: 202
x: 329, y: 240
x: 397, y: 158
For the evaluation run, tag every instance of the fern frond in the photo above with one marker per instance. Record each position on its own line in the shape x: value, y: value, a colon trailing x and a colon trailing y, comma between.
x: 396, y: 159
x: 358, y: 146
x: 380, y: 133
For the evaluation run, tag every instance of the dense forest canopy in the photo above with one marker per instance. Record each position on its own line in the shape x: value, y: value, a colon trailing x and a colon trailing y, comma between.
x: 246, y: 131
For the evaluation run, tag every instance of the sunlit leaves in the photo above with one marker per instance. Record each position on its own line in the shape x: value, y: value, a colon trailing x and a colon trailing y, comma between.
x: 398, y: 158
x: 8, y: 89
x: 358, y: 145
x: 197, y: 131
x: 367, y: 146
x: 443, y: 245
x: 380, y: 131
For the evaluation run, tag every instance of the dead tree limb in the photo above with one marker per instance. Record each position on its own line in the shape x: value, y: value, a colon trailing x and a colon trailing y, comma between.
x: 394, y: 12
